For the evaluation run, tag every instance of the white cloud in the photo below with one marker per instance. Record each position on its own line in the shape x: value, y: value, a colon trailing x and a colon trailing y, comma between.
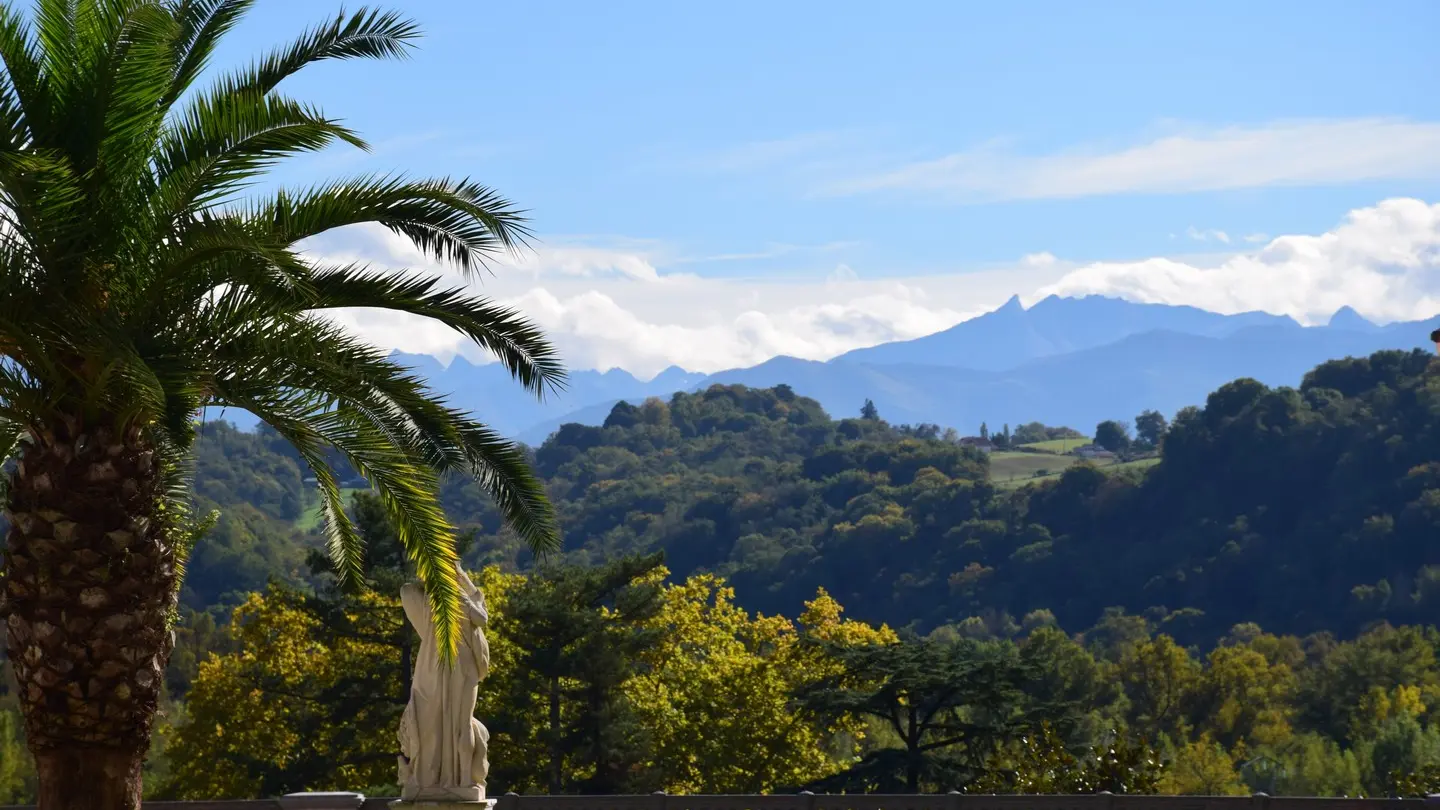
x: 587, y: 262
x: 630, y: 259
x: 1255, y: 238
x: 1286, y: 153
x: 1042, y: 259
x: 593, y: 329
x: 615, y: 305
x: 1205, y: 236
x: 1384, y: 261
x: 606, y: 307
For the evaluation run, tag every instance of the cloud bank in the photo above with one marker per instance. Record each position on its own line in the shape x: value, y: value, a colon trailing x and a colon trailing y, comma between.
x: 1384, y: 261
x: 609, y: 305
x: 1285, y: 153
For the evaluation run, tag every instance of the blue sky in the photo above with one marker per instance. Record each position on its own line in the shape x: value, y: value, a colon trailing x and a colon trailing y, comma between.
x: 765, y: 144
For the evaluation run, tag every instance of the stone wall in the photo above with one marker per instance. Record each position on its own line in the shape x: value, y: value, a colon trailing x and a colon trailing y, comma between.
x: 952, y: 801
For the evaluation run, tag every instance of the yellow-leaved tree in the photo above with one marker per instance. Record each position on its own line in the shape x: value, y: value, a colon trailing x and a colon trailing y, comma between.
x: 301, y: 707
x: 717, y: 695
x: 272, y: 718
x: 1159, y: 678
x: 1243, y: 698
x: 1202, y: 767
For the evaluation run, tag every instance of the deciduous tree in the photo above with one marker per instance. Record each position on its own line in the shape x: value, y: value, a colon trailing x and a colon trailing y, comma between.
x: 1202, y: 767
x: 1112, y: 435
x: 1150, y: 427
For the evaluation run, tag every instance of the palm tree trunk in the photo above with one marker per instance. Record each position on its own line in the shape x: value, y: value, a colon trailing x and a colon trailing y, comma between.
x: 89, y: 586
x: 88, y: 779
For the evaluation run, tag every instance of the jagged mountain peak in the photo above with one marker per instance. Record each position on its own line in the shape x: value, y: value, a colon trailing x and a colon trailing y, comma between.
x: 1347, y: 318
x: 1012, y: 305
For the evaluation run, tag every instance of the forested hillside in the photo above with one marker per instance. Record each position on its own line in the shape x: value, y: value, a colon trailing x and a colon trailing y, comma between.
x: 1276, y: 524
x: 1301, y: 509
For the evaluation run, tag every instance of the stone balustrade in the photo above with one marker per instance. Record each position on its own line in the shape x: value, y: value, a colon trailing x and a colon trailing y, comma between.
x: 805, y: 801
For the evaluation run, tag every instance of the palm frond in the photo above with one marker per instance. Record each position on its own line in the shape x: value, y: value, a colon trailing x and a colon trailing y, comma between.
x: 502, y: 470
x: 124, y: 146
x: 452, y: 220
x: 203, y: 23
x: 513, y: 339
x: 125, y: 385
x: 408, y: 490
x: 14, y: 133
x: 132, y: 104
x: 210, y: 250
x: 46, y: 203
x: 223, y: 142
x: 322, y: 359
x: 57, y: 47
x: 24, y: 70
x: 21, y: 395
x: 10, y: 433
x: 366, y: 34
x: 290, y: 413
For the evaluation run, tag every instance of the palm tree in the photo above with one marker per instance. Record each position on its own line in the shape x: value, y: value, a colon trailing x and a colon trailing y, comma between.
x: 142, y: 279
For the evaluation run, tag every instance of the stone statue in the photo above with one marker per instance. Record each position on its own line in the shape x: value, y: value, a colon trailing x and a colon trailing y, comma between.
x: 442, y: 746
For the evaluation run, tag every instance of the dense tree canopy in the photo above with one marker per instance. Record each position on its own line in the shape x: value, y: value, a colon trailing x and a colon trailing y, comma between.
x: 1303, y: 510
x: 1249, y: 610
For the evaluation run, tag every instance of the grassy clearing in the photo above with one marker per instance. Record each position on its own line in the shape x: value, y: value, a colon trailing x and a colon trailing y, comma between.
x: 1003, y: 478
x: 1009, y: 465
x: 1056, y: 445
x: 311, y: 517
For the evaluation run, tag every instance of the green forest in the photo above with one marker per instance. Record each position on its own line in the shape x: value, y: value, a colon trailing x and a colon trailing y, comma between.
x: 1252, y: 612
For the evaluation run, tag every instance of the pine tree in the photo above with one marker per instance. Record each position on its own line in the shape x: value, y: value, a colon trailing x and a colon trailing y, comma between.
x: 949, y: 704
x: 580, y: 633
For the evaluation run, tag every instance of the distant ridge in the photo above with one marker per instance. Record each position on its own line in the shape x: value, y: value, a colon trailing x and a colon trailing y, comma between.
x: 1061, y: 361
x: 1012, y: 335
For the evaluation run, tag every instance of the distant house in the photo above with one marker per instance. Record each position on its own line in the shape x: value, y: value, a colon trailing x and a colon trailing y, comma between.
x: 983, y: 445
x: 1092, y: 451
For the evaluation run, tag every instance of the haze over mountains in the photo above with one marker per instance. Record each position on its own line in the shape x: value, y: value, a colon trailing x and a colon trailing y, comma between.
x: 1073, y: 361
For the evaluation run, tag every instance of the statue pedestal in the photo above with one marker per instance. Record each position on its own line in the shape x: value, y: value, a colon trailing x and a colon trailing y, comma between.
x: 441, y: 804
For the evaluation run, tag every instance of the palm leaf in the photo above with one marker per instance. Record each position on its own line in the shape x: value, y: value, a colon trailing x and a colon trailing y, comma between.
x: 366, y: 34
x: 23, y: 61
x: 407, y: 489
x: 224, y: 142
x: 513, y: 339
x: 452, y: 220
x: 202, y: 24
x: 139, y: 283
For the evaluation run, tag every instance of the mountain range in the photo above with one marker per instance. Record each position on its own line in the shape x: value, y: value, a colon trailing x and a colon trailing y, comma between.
x: 1063, y: 361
